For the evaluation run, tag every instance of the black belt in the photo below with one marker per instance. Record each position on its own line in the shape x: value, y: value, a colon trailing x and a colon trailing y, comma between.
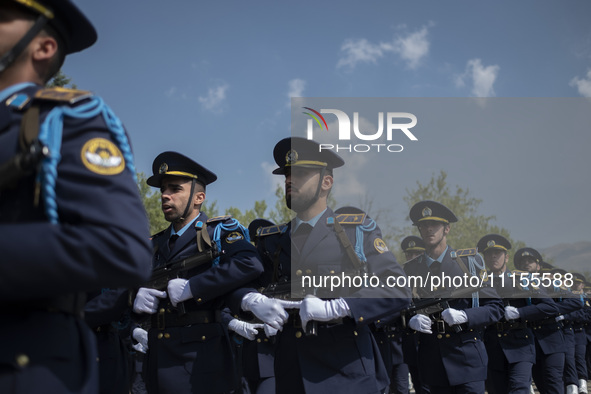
x: 105, y: 328
x: 295, y: 321
x: 506, y: 325
x: 163, y: 319
x: 442, y: 327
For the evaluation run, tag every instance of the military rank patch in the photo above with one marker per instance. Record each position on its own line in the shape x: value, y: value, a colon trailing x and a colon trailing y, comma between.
x: 271, y: 230
x: 380, y: 245
x: 350, y: 218
x: 102, y: 156
x: 233, y: 237
x: 70, y: 96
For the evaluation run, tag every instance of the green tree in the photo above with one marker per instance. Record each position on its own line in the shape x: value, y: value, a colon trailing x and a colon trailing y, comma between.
x: 152, y: 205
x: 61, y: 80
x: 471, y: 225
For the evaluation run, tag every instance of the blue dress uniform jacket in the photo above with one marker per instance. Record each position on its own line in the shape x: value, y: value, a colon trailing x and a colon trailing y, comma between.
x: 342, y: 358
x: 101, y: 240
x: 192, y: 353
x: 451, y: 359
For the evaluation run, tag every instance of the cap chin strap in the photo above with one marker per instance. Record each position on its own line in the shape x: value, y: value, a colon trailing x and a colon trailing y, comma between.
x: 16, y: 50
x: 313, y: 200
x: 184, y: 215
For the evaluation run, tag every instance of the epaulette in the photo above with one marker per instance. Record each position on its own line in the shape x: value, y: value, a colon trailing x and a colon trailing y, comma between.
x: 63, y: 95
x: 349, y: 215
x: 463, y: 252
x: 219, y: 219
x: 277, y: 229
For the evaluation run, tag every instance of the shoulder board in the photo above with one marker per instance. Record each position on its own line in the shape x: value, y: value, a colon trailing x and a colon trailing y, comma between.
x: 349, y: 218
x: 63, y: 95
x: 219, y: 219
x: 277, y: 229
x: 463, y: 252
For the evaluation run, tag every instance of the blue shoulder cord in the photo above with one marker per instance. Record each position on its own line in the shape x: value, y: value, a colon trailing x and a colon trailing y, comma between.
x: 359, y: 238
x: 233, y: 225
x: 50, y: 135
x: 472, y: 265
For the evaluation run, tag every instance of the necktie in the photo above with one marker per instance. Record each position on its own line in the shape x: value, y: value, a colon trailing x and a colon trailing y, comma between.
x: 301, y: 234
x: 172, y: 241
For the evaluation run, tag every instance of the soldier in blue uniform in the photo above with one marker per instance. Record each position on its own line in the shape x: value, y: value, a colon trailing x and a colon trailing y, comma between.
x: 549, y: 338
x: 412, y: 247
x: 452, y: 356
x: 188, y: 345
x: 71, y: 217
x: 579, y: 321
x: 510, y: 342
x: 336, y: 353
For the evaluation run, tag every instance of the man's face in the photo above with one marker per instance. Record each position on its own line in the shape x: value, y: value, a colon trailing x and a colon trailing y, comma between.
x: 496, y: 260
x: 530, y: 264
x: 14, y: 24
x: 301, y: 185
x: 432, y: 232
x: 175, y: 196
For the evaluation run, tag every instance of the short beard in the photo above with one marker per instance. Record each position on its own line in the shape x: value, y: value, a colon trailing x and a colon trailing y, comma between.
x: 300, y: 204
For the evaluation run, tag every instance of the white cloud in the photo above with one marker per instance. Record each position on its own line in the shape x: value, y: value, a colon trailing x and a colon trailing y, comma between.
x: 170, y: 92
x: 271, y: 179
x: 214, y: 99
x: 583, y: 85
x: 411, y: 48
x: 296, y: 89
x: 482, y: 78
x: 359, y: 51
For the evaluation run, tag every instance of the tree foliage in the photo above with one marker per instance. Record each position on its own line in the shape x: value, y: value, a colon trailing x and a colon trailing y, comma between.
x: 61, y: 80
x: 471, y: 225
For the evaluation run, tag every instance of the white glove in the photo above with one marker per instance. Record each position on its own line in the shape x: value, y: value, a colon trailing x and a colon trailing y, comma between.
x: 179, y: 290
x: 420, y: 323
x: 244, y: 329
x: 313, y: 308
x: 141, y: 336
x: 511, y: 313
x: 268, y: 310
x: 146, y: 300
x: 559, y: 318
x: 270, y: 331
x: 453, y: 316
x: 140, y: 348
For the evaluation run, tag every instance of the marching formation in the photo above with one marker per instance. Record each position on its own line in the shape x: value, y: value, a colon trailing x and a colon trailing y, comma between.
x: 93, y: 304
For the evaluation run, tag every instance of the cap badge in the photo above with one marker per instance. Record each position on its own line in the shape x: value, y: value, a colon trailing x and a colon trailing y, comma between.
x: 163, y: 168
x: 490, y: 243
x: 291, y: 157
x: 426, y: 212
x: 526, y: 253
x: 412, y: 244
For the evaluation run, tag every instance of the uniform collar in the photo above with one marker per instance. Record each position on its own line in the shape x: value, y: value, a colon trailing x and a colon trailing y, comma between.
x: 430, y: 261
x: 182, y: 231
x: 312, y: 222
x: 9, y: 91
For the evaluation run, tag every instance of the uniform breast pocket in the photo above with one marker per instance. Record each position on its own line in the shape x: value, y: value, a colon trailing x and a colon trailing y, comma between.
x: 473, y: 348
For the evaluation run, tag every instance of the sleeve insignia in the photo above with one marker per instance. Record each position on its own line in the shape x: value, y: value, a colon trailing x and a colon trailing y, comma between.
x: 277, y: 229
x: 64, y: 95
x: 18, y: 101
x: 218, y: 219
x: 102, y: 156
x: 233, y: 237
x: 380, y: 245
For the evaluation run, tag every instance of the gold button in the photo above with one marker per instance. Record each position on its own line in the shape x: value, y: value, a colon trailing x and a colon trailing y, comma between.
x: 503, y: 335
x: 499, y: 335
x: 475, y: 339
x: 332, y: 271
x: 203, y: 338
x: 167, y: 335
x: 308, y: 272
x: 527, y: 336
x: 22, y: 360
x: 447, y: 335
x: 361, y: 319
x: 439, y: 336
x: 435, y: 288
x: 299, y: 272
x: 160, y: 336
x: 377, y: 321
x: 199, y: 300
x: 98, y: 359
x: 355, y: 333
x: 266, y: 340
x: 258, y: 340
x: 298, y: 334
x: 162, y: 310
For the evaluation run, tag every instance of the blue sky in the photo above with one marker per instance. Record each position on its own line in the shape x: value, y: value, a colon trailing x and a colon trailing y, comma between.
x: 213, y: 80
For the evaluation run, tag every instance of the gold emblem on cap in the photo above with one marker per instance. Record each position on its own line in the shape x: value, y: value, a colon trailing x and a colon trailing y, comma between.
x: 291, y: 157
x: 412, y: 244
x: 426, y: 212
x: 163, y: 168
x: 526, y: 253
x: 490, y: 243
